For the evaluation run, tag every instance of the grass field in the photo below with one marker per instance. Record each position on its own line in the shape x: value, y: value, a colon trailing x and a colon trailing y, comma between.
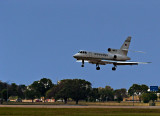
x: 78, y: 112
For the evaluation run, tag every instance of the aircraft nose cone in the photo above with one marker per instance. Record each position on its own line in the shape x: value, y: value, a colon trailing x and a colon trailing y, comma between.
x: 75, y: 56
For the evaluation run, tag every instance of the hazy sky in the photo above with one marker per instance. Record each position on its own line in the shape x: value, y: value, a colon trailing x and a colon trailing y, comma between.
x: 38, y: 38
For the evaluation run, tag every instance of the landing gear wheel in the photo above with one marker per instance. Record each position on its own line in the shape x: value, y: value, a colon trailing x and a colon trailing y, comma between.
x: 98, y: 68
x: 113, y: 68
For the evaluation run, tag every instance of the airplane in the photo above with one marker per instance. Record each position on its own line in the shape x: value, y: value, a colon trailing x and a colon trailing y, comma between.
x: 114, y: 56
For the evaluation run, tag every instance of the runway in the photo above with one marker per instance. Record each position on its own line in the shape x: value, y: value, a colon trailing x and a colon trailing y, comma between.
x: 77, y: 106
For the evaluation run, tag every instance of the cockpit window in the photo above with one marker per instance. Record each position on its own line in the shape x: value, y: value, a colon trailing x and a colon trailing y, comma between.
x: 83, y: 52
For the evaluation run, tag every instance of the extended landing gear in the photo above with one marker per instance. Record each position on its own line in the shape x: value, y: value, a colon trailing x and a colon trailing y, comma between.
x: 82, y: 63
x: 97, y: 67
x: 114, y: 68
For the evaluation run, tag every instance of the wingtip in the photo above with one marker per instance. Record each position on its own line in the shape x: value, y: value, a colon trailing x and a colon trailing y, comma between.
x: 149, y: 62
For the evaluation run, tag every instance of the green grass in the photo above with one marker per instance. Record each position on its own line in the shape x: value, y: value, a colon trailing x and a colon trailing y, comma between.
x: 78, y: 112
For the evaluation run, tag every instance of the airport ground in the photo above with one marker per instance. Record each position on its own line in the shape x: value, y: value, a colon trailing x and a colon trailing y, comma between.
x: 16, y: 111
x: 83, y: 103
x: 83, y: 109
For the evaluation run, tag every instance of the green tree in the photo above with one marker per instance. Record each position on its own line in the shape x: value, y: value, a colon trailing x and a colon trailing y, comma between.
x: 144, y: 88
x: 93, y: 94
x: 138, y: 90
x: 13, y: 89
x: 153, y: 96
x: 2, y: 86
x: 146, y: 97
x: 61, y: 90
x: 31, y: 94
x: 51, y: 93
x: 106, y: 94
x: 80, y: 89
x: 21, y: 91
x: 65, y: 89
x: 124, y: 92
x: 42, y: 86
x: 120, y: 94
x: 4, y: 94
x: 135, y: 88
x: 76, y: 89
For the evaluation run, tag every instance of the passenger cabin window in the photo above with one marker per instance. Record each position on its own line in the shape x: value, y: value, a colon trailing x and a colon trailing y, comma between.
x: 100, y: 54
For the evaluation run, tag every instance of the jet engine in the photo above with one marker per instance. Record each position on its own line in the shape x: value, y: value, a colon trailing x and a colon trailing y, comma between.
x: 115, y: 56
x: 112, y: 50
x: 109, y: 49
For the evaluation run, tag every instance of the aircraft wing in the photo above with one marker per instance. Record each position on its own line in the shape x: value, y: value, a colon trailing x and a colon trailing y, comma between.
x: 101, y: 62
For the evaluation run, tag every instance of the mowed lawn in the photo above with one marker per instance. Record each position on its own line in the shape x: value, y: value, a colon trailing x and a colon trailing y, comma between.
x: 78, y: 112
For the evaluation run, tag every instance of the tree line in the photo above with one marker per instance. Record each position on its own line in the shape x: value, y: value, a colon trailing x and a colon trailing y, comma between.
x: 74, y: 89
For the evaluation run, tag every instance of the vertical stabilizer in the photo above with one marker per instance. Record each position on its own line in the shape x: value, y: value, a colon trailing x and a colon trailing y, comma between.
x: 125, y: 46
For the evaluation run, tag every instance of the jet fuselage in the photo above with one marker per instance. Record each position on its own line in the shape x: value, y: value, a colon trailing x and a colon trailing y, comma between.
x: 85, y: 55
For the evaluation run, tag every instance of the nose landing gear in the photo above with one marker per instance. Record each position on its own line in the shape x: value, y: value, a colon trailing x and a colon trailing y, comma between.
x: 97, y: 67
x: 82, y: 63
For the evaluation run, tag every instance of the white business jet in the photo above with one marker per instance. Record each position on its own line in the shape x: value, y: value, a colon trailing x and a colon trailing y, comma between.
x: 114, y: 56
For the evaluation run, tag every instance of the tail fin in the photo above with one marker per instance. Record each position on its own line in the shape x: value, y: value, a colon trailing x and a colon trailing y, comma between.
x: 125, y: 46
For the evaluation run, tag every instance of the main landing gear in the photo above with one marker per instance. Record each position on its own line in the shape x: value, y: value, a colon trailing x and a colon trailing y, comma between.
x: 114, y: 68
x: 97, y: 67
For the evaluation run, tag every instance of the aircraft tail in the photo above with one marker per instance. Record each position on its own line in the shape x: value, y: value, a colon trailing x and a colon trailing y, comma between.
x: 125, y: 46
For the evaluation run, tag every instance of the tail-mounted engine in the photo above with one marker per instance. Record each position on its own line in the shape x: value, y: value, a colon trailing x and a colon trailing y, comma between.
x: 109, y: 49
x: 112, y: 50
x: 115, y: 56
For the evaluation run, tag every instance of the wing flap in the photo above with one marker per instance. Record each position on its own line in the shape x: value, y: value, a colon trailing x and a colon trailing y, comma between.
x: 97, y: 62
